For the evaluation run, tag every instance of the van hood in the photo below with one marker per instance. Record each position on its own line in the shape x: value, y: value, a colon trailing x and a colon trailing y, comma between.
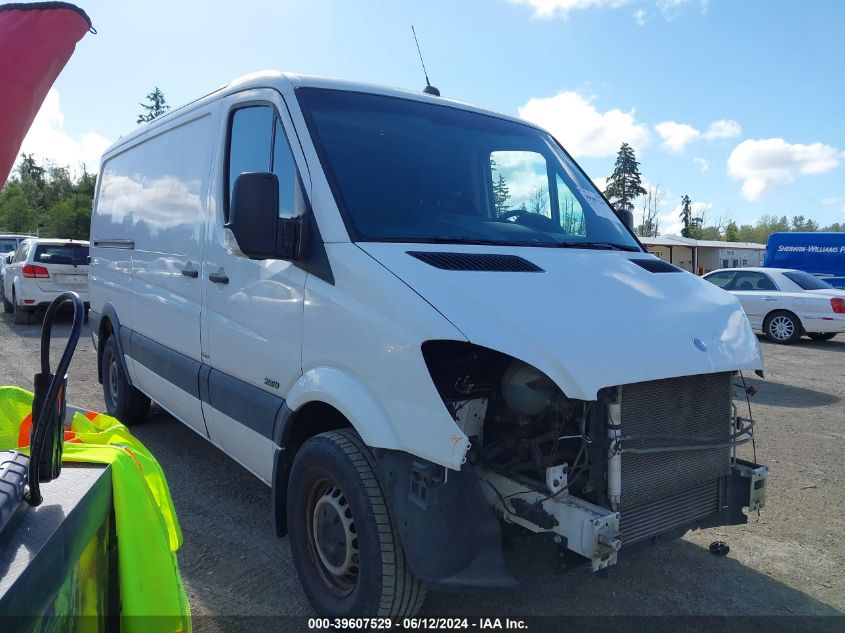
x: 590, y: 319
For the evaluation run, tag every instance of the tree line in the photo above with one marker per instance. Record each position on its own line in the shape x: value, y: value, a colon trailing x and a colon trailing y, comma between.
x: 624, y: 189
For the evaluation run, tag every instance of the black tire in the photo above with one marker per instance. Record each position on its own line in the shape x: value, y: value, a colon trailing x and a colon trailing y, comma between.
x: 783, y: 328
x: 334, y: 477
x: 123, y: 401
x: 8, y: 308
x: 821, y: 336
x: 22, y: 316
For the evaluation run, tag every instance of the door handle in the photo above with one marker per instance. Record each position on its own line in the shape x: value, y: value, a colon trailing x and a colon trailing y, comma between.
x: 770, y: 298
x: 190, y: 272
x: 218, y: 278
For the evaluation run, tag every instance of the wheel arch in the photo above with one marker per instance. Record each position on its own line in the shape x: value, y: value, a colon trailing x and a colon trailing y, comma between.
x: 776, y: 311
x: 309, y: 420
x: 108, y: 324
x: 323, y: 399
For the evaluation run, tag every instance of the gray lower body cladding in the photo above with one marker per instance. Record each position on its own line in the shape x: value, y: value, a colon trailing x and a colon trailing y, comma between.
x: 665, y: 490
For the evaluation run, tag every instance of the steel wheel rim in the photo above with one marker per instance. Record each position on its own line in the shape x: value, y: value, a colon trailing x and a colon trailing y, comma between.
x: 781, y: 328
x: 113, y: 386
x: 332, y: 537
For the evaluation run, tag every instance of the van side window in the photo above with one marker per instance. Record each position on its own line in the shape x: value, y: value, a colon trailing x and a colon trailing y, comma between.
x: 250, y: 136
x: 571, y: 213
x: 285, y: 169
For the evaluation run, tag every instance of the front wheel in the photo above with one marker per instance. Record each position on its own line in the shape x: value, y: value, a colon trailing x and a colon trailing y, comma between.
x: 821, y: 336
x: 343, y: 537
x: 123, y: 401
x: 782, y: 327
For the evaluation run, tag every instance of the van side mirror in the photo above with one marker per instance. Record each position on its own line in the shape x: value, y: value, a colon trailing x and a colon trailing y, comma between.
x: 254, y: 218
x: 8, y: 259
x: 627, y: 217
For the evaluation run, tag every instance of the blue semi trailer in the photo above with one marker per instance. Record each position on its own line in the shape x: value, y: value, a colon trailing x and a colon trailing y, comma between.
x: 822, y: 254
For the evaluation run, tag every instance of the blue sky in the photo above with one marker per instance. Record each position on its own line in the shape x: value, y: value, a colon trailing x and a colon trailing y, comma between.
x: 737, y: 103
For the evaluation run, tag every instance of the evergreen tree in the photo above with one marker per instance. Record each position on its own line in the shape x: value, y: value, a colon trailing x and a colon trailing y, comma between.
x: 501, y: 195
x: 732, y: 232
x: 156, y: 106
x: 625, y: 184
x: 686, y: 216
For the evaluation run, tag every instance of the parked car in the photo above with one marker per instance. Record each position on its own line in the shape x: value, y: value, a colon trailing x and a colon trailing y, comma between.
x: 317, y: 277
x: 9, y: 243
x: 785, y: 303
x: 39, y: 270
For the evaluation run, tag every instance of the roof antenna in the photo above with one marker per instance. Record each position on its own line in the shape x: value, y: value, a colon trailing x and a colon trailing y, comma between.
x: 429, y: 89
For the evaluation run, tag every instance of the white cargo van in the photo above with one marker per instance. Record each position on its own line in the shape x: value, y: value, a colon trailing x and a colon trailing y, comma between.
x: 416, y: 321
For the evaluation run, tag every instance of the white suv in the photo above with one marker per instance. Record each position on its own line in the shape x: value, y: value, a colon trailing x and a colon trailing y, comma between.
x: 39, y: 270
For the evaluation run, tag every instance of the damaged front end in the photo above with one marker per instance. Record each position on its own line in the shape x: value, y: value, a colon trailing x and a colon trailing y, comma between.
x: 642, y: 460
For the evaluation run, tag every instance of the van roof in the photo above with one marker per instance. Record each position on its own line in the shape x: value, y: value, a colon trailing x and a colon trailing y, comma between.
x: 275, y: 79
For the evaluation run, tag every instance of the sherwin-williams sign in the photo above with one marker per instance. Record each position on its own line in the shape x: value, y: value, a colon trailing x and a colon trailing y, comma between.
x: 822, y: 254
x: 813, y: 248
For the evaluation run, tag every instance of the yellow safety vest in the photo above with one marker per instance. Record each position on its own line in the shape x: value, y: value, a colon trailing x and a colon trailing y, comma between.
x: 152, y: 596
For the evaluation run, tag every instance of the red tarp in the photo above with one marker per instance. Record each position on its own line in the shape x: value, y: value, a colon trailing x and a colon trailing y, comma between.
x: 36, y: 40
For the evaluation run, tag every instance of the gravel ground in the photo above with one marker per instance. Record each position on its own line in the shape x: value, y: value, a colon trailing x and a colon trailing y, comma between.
x: 788, y: 561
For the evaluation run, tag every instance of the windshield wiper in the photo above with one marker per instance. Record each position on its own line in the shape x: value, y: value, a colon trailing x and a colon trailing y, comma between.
x: 602, y: 246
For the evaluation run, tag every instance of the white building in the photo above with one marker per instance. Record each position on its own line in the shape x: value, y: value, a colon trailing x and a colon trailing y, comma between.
x: 702, y: 256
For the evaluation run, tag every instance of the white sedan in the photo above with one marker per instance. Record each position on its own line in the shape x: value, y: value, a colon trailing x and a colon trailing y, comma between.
x: 785, y: 303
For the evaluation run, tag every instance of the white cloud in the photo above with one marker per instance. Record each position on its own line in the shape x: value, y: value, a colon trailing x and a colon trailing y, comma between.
x: 671, y: 8
x: 764, y: 164
x: 834, y: 201
x: 48, y: 140
x: 676, y: 135
x: 669, y: 224
x: 723, y: 128
x: 548, y: 9
x: 703, y: 163
x: 582, y: 129
x: 698, y: 208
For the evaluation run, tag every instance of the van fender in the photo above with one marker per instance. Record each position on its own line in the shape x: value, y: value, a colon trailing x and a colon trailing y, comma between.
x: 109, y: 312
x: 351, y: 397
x: 346, y: 394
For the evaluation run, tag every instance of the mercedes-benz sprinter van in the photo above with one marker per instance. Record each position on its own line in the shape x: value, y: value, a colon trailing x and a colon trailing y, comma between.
x: 417, y: 321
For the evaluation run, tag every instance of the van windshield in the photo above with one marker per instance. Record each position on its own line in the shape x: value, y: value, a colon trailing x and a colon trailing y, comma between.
x: 408, y: 171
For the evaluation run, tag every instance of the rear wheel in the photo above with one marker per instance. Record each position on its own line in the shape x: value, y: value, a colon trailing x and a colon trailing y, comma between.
x: 22, y: 316
x: 821, y: 336
x: 123, y: 401
x: 782, y: 327
x: 343, y: 537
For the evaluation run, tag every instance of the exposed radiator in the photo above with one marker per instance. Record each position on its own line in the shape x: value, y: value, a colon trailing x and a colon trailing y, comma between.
x: 677, y: 509
x: 664, y: 490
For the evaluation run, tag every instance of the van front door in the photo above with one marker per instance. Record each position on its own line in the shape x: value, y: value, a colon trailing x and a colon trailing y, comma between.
x: 252, y: 317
